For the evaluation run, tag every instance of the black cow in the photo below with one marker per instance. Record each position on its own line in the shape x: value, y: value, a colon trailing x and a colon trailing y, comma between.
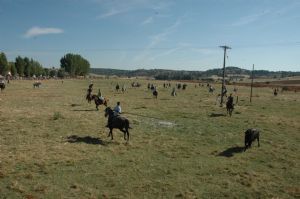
x: 250, y: 136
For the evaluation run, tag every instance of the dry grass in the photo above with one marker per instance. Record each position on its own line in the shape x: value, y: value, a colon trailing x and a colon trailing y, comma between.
x: 180, y: 147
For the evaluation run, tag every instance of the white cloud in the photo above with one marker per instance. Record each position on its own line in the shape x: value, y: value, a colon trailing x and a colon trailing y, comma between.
x: 157, y: 39
x: 111, y: 12
x: 147, y: 21
x: 249, y: 19
x: 112, y: 8
x: 37, y: 31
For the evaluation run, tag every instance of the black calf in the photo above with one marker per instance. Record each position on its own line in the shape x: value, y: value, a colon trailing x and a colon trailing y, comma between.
x: 250, y: 136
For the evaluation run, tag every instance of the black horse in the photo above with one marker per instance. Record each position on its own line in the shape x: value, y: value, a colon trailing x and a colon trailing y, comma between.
x: 229, y: 105
x: 2, y: 86
x: 117, y: 87
x: 117, y: 122
x: 99, y: 101
x: 155, y: 93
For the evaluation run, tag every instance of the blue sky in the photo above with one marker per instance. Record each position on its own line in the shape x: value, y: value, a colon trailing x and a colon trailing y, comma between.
x: 168, y: 34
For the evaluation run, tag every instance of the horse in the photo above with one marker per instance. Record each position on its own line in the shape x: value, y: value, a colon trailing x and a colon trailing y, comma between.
x: 155, y: 93
x: 89, y: 97
x: 123, y: 89
x: 36, y: 84
x: 173, y: 93
x: 229, y: 105
x: 117, y: 87
x: 135, y: 84
x: 118, y: 122
x: 211, y: 89
x: 98, y: 101
x: 229, y: 108
x: 2, y: 86
x: 275, y: 92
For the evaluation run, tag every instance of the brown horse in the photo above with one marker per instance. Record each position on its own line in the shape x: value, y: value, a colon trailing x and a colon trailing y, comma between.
x: 98, y: 101
x: 116, y: 122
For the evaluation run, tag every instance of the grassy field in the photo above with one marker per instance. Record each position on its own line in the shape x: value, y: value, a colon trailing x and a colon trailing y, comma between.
x: 180, y: 147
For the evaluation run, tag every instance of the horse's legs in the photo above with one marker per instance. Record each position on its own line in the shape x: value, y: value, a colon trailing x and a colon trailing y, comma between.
x: 110, y: 134
x: 127, y: 134
x: 124, y: 131
x: 258, y: 140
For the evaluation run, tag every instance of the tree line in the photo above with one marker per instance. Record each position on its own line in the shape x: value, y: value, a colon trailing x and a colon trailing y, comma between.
x: 70, y: 65
x: 161, y: 74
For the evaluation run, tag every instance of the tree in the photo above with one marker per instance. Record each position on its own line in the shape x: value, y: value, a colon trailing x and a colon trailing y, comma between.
x: 74, y: 64
x: 27, y: 67
x: 20, y: 65
x: 46, y: 72
x: 52, y: 73
x: 3, y: 63
x: 61, y: 73
x: 12, y: 68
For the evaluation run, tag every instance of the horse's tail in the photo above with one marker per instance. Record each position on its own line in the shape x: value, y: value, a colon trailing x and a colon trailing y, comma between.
x: 127, y: 124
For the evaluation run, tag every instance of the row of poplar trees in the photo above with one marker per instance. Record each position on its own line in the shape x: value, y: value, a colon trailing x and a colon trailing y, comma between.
x: 71, y: 65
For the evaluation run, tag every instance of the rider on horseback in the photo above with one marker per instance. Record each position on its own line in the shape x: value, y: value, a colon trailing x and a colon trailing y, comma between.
x: 229, y: 103
x: 100, y: 95
x: 230, y: 99
x: 117, y: 111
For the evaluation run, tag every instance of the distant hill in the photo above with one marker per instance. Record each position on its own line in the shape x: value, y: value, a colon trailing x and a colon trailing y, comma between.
x: 162, y: 74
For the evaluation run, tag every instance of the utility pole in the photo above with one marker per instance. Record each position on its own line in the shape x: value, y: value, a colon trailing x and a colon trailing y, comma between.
x: 223, y: 81
x: 252, y: 73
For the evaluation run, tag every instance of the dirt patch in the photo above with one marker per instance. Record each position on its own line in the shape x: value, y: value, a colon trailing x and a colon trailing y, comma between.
x: 166, y: 123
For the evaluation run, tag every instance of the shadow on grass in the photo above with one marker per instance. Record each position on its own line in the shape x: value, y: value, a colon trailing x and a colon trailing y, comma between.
x: 142, y: 107
x: 217, y: 115
x: 85, y: 110
x: 86, y: 139
x: 231, y: 151
x: 73, y: 105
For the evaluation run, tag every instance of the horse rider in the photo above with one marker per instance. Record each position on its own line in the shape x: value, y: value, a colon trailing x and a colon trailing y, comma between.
x: 100, y: 95
x: 230, y: 100
x: 173, y: 92
x: 117, y: 110
x: 90, y: 89
x: 275, y: 92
